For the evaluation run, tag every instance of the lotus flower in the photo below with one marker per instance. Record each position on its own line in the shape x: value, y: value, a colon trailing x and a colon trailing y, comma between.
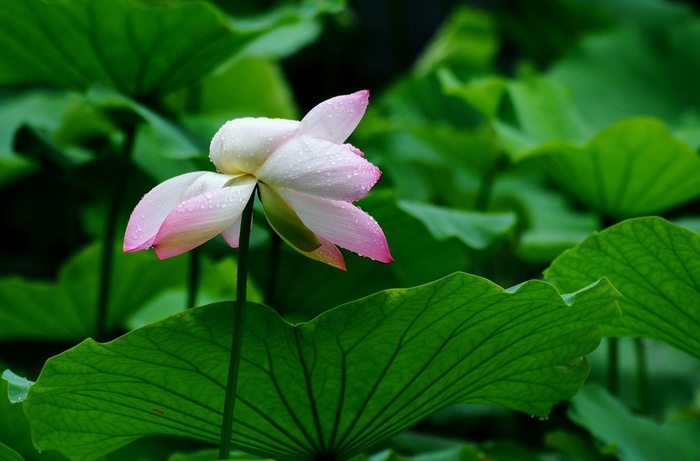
x: 306, y: 176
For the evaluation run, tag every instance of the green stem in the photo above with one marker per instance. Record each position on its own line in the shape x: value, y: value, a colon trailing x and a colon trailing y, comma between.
x: 193, y: 279
x: 643, y: 393
x: 122, y: 173
x: 275, y: 248
x: 612, y: 381
x: 237, y: 339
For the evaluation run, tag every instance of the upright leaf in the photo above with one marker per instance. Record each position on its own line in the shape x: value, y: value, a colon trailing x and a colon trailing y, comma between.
x: 476, y: 230
x: 541, y: 112
x: 656, y: 267
x: 631, y: 168
x: 333, y: 387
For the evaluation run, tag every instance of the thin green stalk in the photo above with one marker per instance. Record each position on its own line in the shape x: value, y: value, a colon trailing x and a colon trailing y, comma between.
x: 275, y: 248
x: 237, y: 339
x: 612, y: 379
x: 124, y: 163
x: 643, y: 388
x: 193, y: 279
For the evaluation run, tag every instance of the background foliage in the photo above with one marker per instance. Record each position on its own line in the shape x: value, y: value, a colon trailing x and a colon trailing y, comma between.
x: 507, y: 132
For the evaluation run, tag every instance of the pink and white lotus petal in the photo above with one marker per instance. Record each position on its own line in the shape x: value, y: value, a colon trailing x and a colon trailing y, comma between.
x: 199, y: 219
x: 327, y: 253
x: 341, y: 223
x: 336, y: 118
x: 232, y: 233
x: 243, y: 144
x: 155, y: 206
x: 318, y: 167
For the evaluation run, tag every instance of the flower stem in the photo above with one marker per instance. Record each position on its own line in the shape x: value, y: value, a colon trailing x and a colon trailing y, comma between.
x: 237, y: 339
x: 124, y: 162
x: 643, y: 388
x: 613, y: 366
x: 193, y: 278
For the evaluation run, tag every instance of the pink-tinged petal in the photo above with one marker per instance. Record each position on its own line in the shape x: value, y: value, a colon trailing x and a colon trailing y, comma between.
x: 327, y: 253
x: 335, y: 119
x: 156, y: 205
x: 232, y: 233
x: 243, y: 144
x: 354, y: 150
x: 318, y: 167
x: 199, y: 219
x: 341, y: 223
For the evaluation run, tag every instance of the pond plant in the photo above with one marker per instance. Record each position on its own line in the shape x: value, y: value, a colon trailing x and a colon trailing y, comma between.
x: 494, y: 257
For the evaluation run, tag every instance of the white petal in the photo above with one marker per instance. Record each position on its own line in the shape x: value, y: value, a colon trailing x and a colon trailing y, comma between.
x: 340, y: 223
x: 156, y: 205
x: 198, y: 219
x: 318, y: 167
x: 232, y: 233
x: 243, y: 144
x: 335, y: 119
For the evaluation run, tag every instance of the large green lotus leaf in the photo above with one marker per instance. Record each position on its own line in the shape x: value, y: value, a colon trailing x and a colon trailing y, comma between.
x: 334, y: 387
x: 632, y: 437
x: 139, y: 48
x: 632, y: 168
x: 655, y: 265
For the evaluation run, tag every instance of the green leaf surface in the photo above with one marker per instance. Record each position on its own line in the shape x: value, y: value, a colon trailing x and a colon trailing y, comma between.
x: 8, y: 454
x: 304, y: 288
x: 17, y: 386
x: 656, y: 267
x: 477, y: 230
x: 655, y: 77
x: 37, y: 109
x: 632, y: 168
x: 482, y: 93
x: 335, y: 386
x: 138, y: 48
x: 631, y: 437
x: 64, y: 310
x: 549, y: 224
x: 540, y: 111
x: 467, y: 42
x: 245, y: 87
x: 171, y: 141
x: 15, y: 431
